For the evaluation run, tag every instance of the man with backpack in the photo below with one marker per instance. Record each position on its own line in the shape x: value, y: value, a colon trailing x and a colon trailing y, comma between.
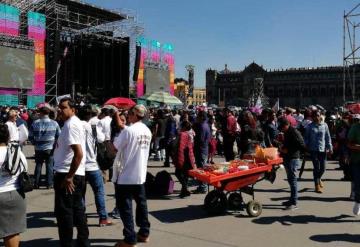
x: 105, y: 152
x: 92, y: 172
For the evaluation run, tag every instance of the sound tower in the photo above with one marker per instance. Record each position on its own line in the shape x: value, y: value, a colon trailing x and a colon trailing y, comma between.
x: 137, y: 63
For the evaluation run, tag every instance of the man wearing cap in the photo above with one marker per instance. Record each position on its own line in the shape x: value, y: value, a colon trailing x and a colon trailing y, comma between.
x: 43, y: 134
x: 291, y: 149
x: 354, y: 146
x: 318, y: 143
x: 130, y: 167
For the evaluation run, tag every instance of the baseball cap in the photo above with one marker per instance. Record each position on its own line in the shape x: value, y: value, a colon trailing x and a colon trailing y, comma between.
x: 139, y: 110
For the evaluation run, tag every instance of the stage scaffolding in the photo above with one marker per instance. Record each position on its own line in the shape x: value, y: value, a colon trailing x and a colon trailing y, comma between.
x: 351, y: 48
x: 64, y: 24
x: 66, y: 21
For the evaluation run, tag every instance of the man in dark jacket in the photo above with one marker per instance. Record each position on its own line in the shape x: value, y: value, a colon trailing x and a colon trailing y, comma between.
x: 201, y: 145
x: 291, y: 149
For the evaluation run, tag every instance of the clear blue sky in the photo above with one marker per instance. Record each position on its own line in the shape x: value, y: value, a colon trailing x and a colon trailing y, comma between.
x: 273, y: 33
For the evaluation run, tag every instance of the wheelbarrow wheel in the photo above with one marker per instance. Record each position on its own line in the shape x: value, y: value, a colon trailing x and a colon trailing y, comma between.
x: 254, y: 208
x: 235, y: 201
x: 215, y: 202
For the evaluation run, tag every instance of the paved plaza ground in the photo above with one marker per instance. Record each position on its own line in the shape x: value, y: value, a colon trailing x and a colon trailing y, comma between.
x: 321, y: 220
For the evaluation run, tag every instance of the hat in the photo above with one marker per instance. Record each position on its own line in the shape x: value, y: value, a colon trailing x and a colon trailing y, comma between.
x: 283, y: 122
x: 110, y: 107
x: 139, y: 110
x: 356, y: 116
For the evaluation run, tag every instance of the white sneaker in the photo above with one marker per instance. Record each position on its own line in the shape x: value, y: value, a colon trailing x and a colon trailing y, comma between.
x: 356, y: 209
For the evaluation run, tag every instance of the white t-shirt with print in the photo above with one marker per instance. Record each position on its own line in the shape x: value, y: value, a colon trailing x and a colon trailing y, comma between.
x: 13, y: 131
x: 72, y: 133
x: 91, y: 163
x: 105, y: 125
x: 134, y: 144
x: 9, y: 182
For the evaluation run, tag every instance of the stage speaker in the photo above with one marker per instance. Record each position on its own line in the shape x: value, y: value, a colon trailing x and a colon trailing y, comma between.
x: 137, y: 63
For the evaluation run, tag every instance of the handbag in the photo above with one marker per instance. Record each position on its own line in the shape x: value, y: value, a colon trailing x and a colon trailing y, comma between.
x: 14, y: 165
x: 26, y: 182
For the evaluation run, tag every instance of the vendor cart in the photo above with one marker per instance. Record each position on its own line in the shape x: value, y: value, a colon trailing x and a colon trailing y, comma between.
x: 228, y: 187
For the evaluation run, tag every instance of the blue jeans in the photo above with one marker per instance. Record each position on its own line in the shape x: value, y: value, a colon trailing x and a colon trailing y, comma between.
x: 95, y: 180
x: 291, y: 168
x: 124, y: 194
x: 319, y: 162
x: 355, y: 173
x: 44, y: 156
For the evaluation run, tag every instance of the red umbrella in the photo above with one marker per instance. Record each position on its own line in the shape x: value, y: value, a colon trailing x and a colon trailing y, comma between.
x: 354, y: 108
x: 120, y: 102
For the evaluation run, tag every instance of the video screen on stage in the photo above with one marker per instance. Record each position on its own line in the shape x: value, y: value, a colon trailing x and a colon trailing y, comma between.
x: 156, y: 80
x: 17, y: 68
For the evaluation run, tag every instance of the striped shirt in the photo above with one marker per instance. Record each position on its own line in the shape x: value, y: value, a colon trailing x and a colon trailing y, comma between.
x: 43, y: 133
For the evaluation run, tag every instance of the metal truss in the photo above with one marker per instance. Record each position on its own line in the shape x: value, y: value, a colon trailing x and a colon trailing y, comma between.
x: 258, y: 94
x: 61, y: 23
x: 351, y: 48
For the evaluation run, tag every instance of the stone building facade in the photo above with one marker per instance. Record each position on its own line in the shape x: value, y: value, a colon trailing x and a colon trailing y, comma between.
x: 296, y: 87
x: 181, y: 90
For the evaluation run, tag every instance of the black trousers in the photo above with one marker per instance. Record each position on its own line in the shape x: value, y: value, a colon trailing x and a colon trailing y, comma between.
x: 229, y: 148
x: 70, y: 212
x: 182, y: 175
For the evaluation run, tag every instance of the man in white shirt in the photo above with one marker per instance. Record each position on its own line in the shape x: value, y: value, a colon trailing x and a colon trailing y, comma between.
x: 92, y: 172
x: 133, y: 145
x: 105, y: 123
x: 69, y: 178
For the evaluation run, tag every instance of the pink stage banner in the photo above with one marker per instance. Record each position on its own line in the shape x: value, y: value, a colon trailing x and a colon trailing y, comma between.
x: 9, y: 91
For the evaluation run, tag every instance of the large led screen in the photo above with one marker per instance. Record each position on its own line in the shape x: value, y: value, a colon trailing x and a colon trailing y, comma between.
x: 16, y: 68
x: 156, y: 80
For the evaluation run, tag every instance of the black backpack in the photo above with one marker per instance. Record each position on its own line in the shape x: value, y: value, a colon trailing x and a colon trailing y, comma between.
x: 163, y: 184
x: 149, y: 184
x: 104, y: 153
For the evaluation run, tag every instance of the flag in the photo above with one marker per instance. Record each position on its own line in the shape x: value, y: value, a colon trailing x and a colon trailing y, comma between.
x: 276, y: 107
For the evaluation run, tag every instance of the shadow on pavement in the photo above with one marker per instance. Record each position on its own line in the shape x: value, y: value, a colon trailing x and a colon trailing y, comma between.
x: 55, y: 243
x: 270, y: 190
x: 302, y: 219
x: 311, y: 198
x: 324, y: 180
x: 344, y: 237
x: 40, y: 242
x: 41, y: 219
x: 175, y: 215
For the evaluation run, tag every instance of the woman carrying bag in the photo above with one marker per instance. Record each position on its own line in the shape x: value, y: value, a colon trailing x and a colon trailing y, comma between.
x: 12, y: 198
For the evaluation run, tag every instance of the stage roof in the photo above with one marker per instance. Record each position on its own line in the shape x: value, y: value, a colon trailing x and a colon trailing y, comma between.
x: 90, y: 9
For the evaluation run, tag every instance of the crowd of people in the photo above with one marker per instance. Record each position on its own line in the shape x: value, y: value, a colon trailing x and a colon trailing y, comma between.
x: 86, y: 144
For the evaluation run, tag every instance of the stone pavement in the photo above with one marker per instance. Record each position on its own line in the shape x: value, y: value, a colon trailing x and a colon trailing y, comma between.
x: 321, y: 220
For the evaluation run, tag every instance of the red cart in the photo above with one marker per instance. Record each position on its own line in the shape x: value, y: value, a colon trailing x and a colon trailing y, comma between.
x: 228, y: 187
